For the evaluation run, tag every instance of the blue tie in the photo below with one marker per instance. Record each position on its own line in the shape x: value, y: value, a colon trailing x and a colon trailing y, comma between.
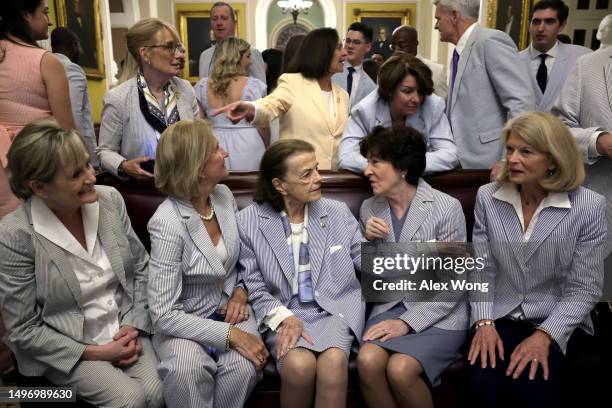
x: 349, y: 80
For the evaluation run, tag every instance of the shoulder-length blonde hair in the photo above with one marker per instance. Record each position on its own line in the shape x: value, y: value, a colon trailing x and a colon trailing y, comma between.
x: 228, y: 55
x: 139, y: 35
x: 548, y: 135
x: 40, y: 151
x: 182, y: 152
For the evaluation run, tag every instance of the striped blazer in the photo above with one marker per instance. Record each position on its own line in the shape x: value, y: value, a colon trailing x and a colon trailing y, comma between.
x: 433, y: 215
x: 187, y: 279
x: 335, y: 254
x: 556, y: 277
x: 125, y: 133
x: 585, y: 105
x: 41, y: 295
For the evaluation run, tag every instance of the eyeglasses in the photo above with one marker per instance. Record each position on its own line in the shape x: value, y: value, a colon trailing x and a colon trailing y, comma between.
x: 357, y: 43
x: 170, y: 47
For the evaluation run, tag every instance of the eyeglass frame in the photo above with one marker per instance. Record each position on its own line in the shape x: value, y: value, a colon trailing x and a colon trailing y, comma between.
x: 177, y: 46
x: 357, y: 43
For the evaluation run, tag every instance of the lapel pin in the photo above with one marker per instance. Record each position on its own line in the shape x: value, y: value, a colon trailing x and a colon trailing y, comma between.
x: 323, y: 225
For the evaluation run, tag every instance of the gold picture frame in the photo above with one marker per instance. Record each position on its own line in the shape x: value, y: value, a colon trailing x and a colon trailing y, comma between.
x: 503, y: 15
x: 195, y: 18
x: 383, y: 18
x: 83, y: 18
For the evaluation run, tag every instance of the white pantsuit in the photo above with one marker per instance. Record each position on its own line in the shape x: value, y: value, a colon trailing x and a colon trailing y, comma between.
x: 188, y: 283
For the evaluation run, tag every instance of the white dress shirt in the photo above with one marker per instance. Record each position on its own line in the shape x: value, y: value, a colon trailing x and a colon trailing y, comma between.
x: 549, y: 61
x: 464, y: 39
x: 100, y: 289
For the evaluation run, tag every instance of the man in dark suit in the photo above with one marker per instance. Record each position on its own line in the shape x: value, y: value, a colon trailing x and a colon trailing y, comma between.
x: 81, y: 21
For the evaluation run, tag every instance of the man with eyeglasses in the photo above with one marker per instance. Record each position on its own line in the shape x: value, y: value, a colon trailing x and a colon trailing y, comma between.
x: 548, y: 60
x: 353, y: 79
x: 406, y: 39
x: 223, y: 22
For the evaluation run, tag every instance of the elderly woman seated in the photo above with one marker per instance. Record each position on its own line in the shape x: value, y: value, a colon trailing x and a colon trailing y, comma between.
x: 408, y: 343
x: 404, y: 97
x: 150, y: 98
x: 73, y: 276
x: 543, y: 236
x: 298, y: 258
x: 205, y: 333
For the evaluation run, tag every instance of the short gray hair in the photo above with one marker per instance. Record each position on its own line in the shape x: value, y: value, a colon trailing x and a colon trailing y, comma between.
x: 469, y: 9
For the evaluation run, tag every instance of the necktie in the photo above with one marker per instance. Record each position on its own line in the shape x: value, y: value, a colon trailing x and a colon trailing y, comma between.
x: 454, y: 67
x: 349, y: 80
x: 542, y: 75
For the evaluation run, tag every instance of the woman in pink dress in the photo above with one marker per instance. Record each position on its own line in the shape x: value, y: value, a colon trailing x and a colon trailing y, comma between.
x: 33, y: 81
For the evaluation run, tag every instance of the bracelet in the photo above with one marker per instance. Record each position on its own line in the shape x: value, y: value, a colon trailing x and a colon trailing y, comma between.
x: 484, y: 323
x: 227, y: 339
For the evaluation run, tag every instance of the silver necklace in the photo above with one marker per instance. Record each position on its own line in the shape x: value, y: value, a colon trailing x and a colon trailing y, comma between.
x: 210, y: 215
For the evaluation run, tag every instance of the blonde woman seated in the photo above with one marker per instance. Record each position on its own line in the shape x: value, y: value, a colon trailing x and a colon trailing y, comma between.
x: 73, y: 276
x: 205, y: 333
x: 228, y: 82
x: 546, y: 236
x: 408, y: 344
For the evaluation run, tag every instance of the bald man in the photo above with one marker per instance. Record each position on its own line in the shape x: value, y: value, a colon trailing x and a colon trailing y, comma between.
x: 406, y: 39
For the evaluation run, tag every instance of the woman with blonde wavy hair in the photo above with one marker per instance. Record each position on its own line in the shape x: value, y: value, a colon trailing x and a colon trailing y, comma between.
x: 228, y: 82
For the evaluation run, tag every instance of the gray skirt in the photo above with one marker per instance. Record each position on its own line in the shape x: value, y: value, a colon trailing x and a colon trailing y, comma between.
x: 434, y: 348
x: 326, y: 330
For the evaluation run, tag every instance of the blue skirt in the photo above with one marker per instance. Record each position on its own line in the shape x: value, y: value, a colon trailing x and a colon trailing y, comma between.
x: 434, y: 348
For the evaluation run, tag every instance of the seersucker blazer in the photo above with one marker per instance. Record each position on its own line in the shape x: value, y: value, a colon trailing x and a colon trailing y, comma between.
x: 187, y: 279
x: 304, y: 114
x: 433, y: 215
x: 41, y: 296
x: 585, y: 105
x: 564, y: 62
x: 556, y: 277
x: 335, y: 254
x: 125, y: 133
x: 364, y: 87
x: 491, y: 86
x: 429, y: 120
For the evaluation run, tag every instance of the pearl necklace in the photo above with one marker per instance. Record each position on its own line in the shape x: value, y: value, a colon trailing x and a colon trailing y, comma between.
x: 297, y: 231
x: 209, y: 216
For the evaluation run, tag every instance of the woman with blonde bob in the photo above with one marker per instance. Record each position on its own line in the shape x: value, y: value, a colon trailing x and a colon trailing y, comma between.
x: 542, y: 236
x: 73, y: 276
x: 229, y: 82
x: 150, y: 97
x: 205, y: 332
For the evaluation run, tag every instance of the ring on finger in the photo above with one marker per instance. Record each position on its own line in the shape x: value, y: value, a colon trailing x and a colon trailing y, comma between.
x: 535, y: 360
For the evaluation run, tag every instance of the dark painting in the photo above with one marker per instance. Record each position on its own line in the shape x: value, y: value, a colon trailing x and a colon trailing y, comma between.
x: 382, y: 28
x: 509, y: 17
x: 199, y: 38
x: 80, y: 18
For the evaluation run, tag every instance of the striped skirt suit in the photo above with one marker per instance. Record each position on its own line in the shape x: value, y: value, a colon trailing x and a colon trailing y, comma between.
x: 438, y: 329
x: 336, y: 316
x: 188, y: 283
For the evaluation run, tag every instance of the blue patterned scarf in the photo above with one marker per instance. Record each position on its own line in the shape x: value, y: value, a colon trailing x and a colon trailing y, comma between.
x: 305, y: 292
x: 159, y: 117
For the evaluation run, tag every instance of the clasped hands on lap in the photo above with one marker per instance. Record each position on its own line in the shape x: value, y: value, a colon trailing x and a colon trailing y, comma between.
x: 123, y: 351
x: 532, y: 351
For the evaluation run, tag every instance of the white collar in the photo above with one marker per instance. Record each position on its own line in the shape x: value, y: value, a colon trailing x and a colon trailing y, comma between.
x: 47, y: 224
x: 509, y: 193
x: 553, y: 52
x: 357, y: 67
x: 464, y: 38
